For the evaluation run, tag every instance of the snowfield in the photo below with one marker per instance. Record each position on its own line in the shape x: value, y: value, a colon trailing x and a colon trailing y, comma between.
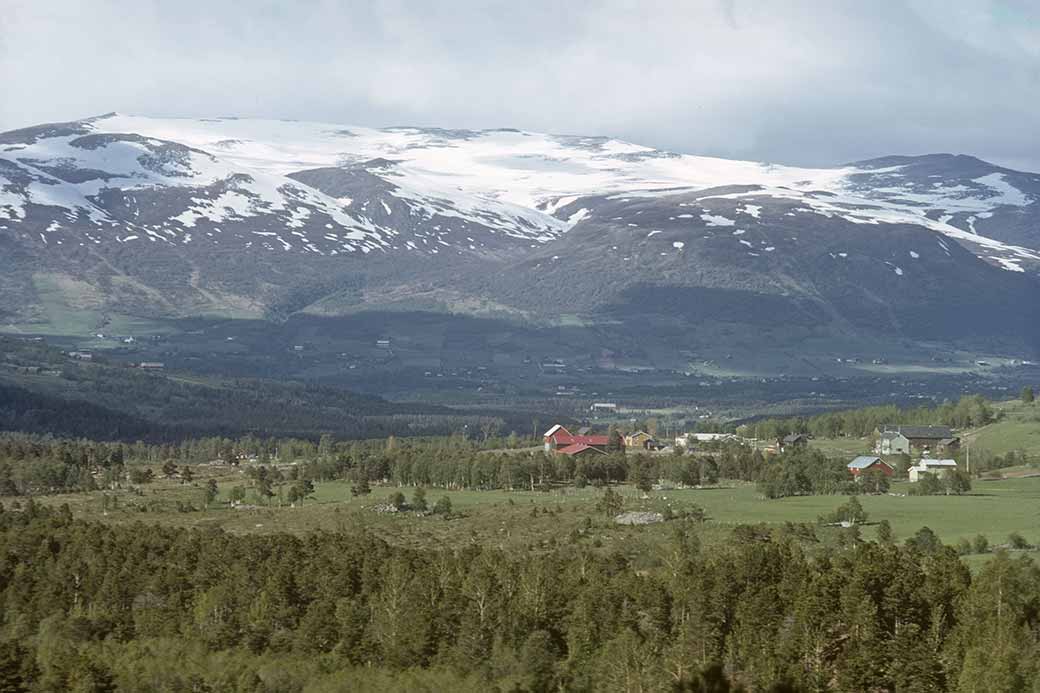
x: 449, y: 188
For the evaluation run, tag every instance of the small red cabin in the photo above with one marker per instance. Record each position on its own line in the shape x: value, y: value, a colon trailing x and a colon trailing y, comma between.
x: 866, y: 464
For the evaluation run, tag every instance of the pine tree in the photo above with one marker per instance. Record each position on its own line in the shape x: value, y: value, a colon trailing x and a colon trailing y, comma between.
x: 419, y: 499
x: 611, y: 503
x: 212, y: 491
x: 360, y: 487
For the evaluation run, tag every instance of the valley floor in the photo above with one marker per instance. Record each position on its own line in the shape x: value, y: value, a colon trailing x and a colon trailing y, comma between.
x: 525, y: 519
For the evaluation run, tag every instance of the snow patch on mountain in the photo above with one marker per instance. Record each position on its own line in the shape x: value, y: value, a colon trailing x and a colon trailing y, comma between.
x: 446, y: 185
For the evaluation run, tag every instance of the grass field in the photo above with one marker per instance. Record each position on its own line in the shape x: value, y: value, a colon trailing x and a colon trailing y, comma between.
x: 1018, y: 430
x: 506, y: 519
x: 843, y: 447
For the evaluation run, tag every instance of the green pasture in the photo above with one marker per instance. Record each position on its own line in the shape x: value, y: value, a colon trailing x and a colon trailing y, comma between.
x: 501, y: 518
x: 1018, y: 430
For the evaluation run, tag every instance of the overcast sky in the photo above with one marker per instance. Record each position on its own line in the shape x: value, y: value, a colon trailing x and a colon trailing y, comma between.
x: 813, y: 82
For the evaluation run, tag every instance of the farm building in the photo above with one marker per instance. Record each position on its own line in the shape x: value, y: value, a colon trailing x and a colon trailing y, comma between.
x: 687, y: 440
x: 640, y: 440
x: 865, y: 464
x: 580, y: 450
x: 928, y: 466
x: 892, y: 443
x: 794, y: 440
x: 919, y: 438
x: 559, y: 439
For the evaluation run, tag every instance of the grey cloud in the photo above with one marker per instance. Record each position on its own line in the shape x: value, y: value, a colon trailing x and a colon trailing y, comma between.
x: 795, y: 82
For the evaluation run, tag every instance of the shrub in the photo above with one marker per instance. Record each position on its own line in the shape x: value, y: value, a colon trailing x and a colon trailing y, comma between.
x: 1017, y: 541
x: 980, y: 544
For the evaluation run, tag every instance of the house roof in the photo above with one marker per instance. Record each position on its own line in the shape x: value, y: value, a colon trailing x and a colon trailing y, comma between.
x: 554, y: 430
x: 937, y: 463
x: 576, y: 448
x: 584, y: 430
x: 937, y: 432
x: 706, y: 437
x: 892, y: 435
x: 795, y: 437
x: 640, y: 434
x: 592, y: 441
x: 949, y: 441
x: 864, y: 461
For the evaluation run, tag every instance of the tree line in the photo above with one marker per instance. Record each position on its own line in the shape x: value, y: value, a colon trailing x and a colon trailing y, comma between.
x: 968, y: 412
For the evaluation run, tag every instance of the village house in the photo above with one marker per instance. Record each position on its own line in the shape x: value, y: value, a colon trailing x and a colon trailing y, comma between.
x: 689, y: 440
x: 905, y: 439
x: 581, y: 450
x: 792, y: 441
x: 864, y: 464
x: 558, y: 440
x: 640, y: 440
x: 892, y: 443
x: 929, y: 466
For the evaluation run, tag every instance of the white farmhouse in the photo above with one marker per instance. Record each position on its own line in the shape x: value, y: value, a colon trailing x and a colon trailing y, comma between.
x: 927, y: 466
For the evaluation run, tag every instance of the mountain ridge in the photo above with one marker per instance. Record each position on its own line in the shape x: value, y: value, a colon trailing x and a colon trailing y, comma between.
x: 239, y: 217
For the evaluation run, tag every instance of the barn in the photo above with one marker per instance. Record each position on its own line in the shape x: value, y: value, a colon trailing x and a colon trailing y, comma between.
x: 558, y: 439
x: 865, y: 464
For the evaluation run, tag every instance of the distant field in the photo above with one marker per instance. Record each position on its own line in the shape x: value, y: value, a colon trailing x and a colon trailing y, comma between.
x: 994, y: 508
x: 72, y: 309
x: 843, y: 447
x: 1020, y: 430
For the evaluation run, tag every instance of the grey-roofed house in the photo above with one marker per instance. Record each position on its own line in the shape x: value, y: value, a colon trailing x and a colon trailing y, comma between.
x: 892, y: 443
x: 927, y: 466
x: 866, y: 463
x: 794, y: 440
x: 921, y: 437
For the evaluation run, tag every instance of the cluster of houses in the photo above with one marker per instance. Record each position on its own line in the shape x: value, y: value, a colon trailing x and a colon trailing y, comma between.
x: 558, y: 440
x: 866, y: 464
x: 892, y: 440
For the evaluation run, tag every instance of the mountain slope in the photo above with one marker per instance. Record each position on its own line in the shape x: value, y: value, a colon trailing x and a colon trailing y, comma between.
x: 174, y: 218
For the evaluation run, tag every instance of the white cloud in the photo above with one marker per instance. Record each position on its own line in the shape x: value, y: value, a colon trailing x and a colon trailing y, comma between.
x: 796, y: 81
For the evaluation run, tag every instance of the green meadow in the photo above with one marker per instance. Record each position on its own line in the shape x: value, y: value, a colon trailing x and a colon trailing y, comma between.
x: 994, y: 509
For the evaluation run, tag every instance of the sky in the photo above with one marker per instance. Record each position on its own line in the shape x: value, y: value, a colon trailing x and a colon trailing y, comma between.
x: 786, y: 81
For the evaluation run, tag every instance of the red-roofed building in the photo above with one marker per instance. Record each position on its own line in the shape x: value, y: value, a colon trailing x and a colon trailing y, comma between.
x: 592, y: 441
x: 579, y: 449
x: 558, y: 438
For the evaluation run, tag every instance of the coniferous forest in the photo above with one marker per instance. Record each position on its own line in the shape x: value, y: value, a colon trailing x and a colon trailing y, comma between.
x: 89, y: 607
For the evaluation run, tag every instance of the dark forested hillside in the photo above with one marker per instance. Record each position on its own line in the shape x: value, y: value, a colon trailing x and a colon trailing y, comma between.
x: 44, y: 391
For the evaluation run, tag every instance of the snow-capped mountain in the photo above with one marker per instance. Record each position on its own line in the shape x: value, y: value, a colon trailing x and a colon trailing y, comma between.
x: 330, y: 189
x: 181, y: 216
